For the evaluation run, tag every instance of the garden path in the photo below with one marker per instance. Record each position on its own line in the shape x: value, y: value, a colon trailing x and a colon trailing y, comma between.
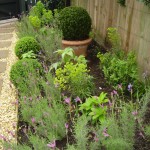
x: 8, y: 96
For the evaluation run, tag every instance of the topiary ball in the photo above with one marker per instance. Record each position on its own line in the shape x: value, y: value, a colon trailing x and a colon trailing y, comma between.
x: 25, y: 45
x: 24, y: 74
x: 75, y: 23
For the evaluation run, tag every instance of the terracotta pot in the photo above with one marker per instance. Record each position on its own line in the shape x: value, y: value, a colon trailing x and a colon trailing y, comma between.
x: 79, y: 47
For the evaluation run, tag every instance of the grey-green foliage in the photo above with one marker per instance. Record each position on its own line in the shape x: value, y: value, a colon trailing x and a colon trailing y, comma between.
x: 11, y: 146
x: 71, y: 147
x: 46, y: 111
x: 121, y: 131
x: 24, y: 28
x: 38, y: 143
x: 147, y: 130
x: 80, y: 134
x: 81, y: 131
x: 49, y: 40
x: 144, y: 106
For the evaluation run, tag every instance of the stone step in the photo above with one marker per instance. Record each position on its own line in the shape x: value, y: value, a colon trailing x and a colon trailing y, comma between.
x: 6, y: 30
x: 4, y: 54
x: 6, y: 36
x: 8, y: 25
x: 3, y: 66
x: 1, y: 84
x: 5, y: 44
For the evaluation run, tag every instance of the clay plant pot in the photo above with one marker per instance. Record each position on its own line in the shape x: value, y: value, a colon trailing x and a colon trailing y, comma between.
x: 79, y: 47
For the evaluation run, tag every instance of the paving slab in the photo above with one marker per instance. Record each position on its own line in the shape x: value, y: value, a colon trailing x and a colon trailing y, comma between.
x: 3, y: 66
x: 3, y: 54
x: 6, y: 36
x: 1, y: 84
x: 4, y: 44
x: 6, y: 30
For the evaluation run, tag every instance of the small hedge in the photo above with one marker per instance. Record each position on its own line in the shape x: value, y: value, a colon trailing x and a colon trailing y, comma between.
x: 24, y: 74
x: 25, y: 45
x: 75, y: 23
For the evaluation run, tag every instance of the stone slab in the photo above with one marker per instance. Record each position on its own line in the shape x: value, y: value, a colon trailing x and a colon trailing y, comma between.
x: 6, y: 30
x: 4, y: 54
x: 5, y: 44
x: 2, y: 66
x: 6, y: 36
x: 1, y: 84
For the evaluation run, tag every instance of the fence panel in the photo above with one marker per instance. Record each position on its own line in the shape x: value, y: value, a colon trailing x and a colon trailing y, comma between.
x: 132, y: 22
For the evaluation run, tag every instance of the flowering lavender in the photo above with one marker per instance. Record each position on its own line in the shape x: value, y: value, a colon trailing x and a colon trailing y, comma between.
x: 77, y: 99
x: 33, y: 120
x: 67, y: 100
x: 52, y: 145
x: 135, y: 113
x: 105, y: 134
x: 130, y: 87
x: 66, y: 125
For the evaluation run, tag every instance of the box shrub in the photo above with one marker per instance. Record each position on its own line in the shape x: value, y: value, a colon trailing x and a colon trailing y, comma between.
x: 75, y: 23
x: 23, y: 72
x: 25, y: 45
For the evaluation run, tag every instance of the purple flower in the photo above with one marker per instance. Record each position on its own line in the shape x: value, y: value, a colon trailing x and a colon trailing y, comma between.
x: 115, y: 92
x: 52, y: 145
x: 109, y: 103
x: 77, y: 99
x: 67, y: 100
x: 130, y: 87
x: 105, y: 133
x: 3, y: 138
x: 96, y: 139
x: 66, y: 125
x: 135, y: 113
x: 33, y: 120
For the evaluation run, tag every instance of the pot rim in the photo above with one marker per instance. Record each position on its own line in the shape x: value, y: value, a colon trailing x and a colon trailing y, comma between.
x: 74, y: 43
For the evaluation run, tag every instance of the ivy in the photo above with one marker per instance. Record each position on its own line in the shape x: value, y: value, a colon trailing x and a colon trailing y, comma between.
x: 122, y: 2
x: 146, y: 2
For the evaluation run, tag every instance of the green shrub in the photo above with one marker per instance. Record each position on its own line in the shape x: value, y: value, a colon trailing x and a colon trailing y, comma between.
x: 35, y: 21
x: 37, y: 10
x: 23, y: 73
x: 25, y: 45
x: 75, y: 79
x: 122, y: 2
x: 119, y: 67
x: 122, y: 71
x: 75, y: 23
x: 47, y: 17
x: 94, y: 107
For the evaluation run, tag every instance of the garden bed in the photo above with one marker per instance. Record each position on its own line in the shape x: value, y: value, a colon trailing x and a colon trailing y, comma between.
x: 73, y: 103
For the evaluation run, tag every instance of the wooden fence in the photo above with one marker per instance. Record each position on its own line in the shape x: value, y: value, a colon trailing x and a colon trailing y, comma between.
x: 132, y: 22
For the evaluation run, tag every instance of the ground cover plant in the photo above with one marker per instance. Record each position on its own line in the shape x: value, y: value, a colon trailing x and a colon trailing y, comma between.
x: 64, y: 103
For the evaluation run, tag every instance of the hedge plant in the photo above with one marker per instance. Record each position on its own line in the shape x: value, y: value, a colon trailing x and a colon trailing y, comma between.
x: 23, y: 72
x: 75, y: 23
x: 25, y: 45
